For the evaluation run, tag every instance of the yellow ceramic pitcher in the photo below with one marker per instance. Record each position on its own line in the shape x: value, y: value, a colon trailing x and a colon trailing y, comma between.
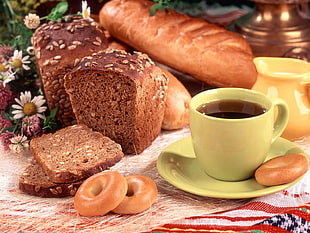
x: 289, y: 79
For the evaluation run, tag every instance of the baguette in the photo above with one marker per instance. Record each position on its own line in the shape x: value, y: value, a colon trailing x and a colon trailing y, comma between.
x: 192, y: 46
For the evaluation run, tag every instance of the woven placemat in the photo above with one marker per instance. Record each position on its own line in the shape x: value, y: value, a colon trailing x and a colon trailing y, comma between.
x: 24, y: 213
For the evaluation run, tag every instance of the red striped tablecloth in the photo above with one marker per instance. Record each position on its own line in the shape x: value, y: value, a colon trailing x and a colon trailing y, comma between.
x: 285, y: 211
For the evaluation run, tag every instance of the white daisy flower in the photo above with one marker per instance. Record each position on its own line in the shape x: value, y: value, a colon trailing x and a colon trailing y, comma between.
x: 32, y: 21
x: 18, y: 61
x: 19, y: 143
x: 4, y: 67
x: 7, y: 76
x: 86, y: 10
x: 28, y: 107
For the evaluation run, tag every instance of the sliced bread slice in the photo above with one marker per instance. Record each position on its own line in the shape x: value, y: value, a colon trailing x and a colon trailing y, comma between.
x: 35, y: 182
x: 74, y: 153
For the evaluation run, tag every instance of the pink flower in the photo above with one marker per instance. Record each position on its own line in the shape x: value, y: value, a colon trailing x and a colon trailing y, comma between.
x: 6, y: 97
x: 6, y: 51
x: 31, y: 126
x: 5, y: 139
x: 4, y: 123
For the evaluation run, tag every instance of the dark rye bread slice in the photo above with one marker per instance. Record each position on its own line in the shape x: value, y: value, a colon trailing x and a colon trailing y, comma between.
x: 120, y: 94
x: 35, y: 182
x: 74, y: 153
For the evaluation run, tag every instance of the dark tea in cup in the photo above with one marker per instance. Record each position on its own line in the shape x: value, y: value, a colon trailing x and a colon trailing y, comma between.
x: 231, y: 109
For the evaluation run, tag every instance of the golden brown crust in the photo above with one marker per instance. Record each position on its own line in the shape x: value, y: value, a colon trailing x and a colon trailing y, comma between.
x: 207, y: 52
x: 141, y: 194
x: 114, y: 43
x: 282, y: 169
x: 100, y: 193
x: 176, y: 105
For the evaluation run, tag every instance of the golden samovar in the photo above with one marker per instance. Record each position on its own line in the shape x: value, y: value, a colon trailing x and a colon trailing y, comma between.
x: 276, y: 28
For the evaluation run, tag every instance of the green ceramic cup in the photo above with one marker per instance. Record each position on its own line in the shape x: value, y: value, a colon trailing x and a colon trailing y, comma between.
x: 232, y: 149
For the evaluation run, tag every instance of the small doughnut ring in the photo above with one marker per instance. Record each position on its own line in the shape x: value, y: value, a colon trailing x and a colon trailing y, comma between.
x: 282, y: 169
x: 141, y: 194
x: 100, y: 193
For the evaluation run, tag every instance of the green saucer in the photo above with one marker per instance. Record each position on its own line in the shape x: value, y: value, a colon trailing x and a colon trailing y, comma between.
x: 177, y: 165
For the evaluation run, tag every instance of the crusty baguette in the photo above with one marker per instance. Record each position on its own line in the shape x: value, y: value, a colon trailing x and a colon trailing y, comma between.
x: 177, y: 104
x: 193, y: 46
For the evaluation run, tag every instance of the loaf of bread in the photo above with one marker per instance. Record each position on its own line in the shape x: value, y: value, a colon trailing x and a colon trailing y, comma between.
x: 74, y: 153
x: 35, y: 182
x: 114, y: 43
x: 176, y: 105
x: 193, y: 46
x: 120, y: 94
x: 58, y: 47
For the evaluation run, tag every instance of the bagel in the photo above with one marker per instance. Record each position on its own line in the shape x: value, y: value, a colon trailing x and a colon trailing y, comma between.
x: 141, y: 194
x: 100, y: 193
x: 282, y: 169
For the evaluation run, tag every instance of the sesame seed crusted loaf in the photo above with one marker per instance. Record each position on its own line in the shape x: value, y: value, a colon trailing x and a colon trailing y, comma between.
x: 120, y: 94
x: 58, y: 47
x: 35, y: 182
x: 74, y: 153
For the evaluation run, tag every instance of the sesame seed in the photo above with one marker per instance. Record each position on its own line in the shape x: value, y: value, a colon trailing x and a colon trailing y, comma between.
x: 76, y: 42
x: 55, y: 43
x: 71, y: 47
x: 96, y: 43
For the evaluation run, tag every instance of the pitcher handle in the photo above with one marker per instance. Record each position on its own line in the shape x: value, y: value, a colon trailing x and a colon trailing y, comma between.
x: 305, y: 83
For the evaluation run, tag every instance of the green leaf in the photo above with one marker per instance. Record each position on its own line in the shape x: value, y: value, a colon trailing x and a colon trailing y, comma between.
x: 10, y: 129
x: 156, y: 7
x: 49, y: 122
x: 53, y: 113
x: 62, y: 7
x: 58, y: 11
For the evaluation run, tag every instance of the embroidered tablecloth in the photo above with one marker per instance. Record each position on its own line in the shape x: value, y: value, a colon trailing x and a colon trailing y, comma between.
x: 20, y: 212
x: 180, y: 210
x: 284, y: 211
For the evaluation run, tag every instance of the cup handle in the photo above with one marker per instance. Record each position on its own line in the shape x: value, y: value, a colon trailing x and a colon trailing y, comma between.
x: 282, y: 117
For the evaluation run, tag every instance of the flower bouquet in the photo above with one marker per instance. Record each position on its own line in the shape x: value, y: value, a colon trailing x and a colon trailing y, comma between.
x: 23, y: 111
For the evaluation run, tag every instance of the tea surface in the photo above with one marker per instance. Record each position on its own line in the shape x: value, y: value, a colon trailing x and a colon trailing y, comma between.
x: 231, y: 109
